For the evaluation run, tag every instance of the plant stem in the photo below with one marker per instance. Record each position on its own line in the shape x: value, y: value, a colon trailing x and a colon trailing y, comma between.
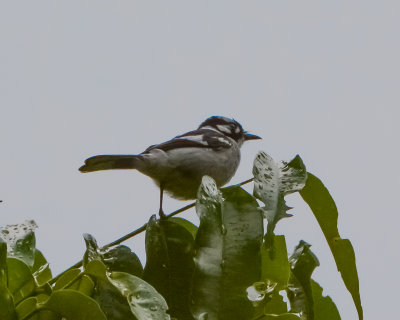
x: 136, y: 232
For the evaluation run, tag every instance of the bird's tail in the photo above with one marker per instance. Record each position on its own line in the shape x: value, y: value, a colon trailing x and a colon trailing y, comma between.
x: 110, y: 162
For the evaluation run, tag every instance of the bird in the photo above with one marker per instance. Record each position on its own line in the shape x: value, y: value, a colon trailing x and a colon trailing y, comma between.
x: 178, y: 165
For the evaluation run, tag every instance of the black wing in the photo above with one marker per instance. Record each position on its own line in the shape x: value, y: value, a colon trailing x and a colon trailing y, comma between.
x: 203, y: 138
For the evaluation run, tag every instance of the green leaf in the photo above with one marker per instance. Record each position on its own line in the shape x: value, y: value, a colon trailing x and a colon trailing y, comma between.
x: 285, y: 316
x: 169, y: 267
x: 111, y: 301
x: 21, y: 241
x: 324, y: 307
x: 276, y: 267
x: 272, y: 182
x: 7, y: 311
x: 97, y: 269
x: 27, y: 307
x: 109, y: 297
x: 30, y: 309
x: 86, y: 285
x: 303, y: 262
x: 45, y: 315
x: 67, y: 278
x: 145, y: 302
x: 276, y: 305
x: 83, y: 283
x: 20, y: 280
x: 73, y: 305
x: 92, y: 249
x: 121, y: 258
x: 325, y: 211
x: 41, y: 271
x: 189, y: 226
x: 228, y: 256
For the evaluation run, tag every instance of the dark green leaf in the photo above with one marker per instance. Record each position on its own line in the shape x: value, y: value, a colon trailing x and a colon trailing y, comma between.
x: 145, y: 302
x: 156, y: 271
x: 20, y: 280
x: 66, y: 279
x: 325, y: 211
x: 41, y: 271
x: 122, y: 259
x: 324, y: 307
x: 39, y: 261
x: 73, y: 305
x: 112, y: 302
x: 83, y: 284
x: 303, y: 262
x: 27, y: 307
x: 285, y: 316
x: 7, y: 311
x: 228, y: 259
x: 92, y: 249
x: 46, y: 315
x: 97, y: 269
x: 169, y: 267
x: 276, y: 267
x: 189, y: 226
x: 86, y: 285
x: 276, y: 305
x: 30, y: 309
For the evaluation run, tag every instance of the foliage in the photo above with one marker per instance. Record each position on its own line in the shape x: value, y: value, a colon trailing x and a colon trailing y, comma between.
x: 225, y: 268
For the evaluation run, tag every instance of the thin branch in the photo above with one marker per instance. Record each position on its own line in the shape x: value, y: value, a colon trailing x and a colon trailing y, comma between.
x: 143, y: 228
x: 136, y: 232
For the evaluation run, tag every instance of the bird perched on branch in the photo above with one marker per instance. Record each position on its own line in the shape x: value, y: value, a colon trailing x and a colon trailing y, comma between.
x: 178, y: 165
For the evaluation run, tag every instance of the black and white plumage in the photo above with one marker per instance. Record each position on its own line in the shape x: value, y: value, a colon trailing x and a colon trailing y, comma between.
x: 178, y: 165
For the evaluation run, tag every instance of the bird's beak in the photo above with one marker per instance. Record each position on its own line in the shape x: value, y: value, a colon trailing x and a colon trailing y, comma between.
x: 248, y: 136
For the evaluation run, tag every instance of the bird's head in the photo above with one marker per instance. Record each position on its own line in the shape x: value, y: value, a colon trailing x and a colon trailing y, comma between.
x: 229, y: 127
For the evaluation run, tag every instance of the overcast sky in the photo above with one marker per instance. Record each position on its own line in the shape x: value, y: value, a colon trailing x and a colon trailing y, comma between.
x: 315, y: 78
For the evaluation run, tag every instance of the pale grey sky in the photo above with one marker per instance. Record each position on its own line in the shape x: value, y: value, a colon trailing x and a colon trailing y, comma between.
x: 318, y: 78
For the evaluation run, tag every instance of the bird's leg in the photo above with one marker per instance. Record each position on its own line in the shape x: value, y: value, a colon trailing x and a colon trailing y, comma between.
x: 161, y: 212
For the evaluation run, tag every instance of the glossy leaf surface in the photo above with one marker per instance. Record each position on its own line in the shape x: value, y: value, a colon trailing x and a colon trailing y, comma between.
x: 40, y: 269
x: 145, y: 302
x: 121, y: 258
x: 227, y: 257
x: 111, y: 301
x: 169, y: 267
x: 299, y: 291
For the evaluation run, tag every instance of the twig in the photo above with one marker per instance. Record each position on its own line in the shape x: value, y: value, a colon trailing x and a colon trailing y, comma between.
x: 136, y: 232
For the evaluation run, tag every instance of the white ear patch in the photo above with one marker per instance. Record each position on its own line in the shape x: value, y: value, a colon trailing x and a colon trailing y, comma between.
x: 224, y: 141
x: 224, y: 128
x: 237, y: 130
